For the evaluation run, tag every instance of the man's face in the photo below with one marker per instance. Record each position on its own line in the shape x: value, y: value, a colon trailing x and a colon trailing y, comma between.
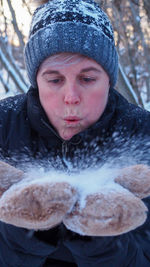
x: 73, y: 92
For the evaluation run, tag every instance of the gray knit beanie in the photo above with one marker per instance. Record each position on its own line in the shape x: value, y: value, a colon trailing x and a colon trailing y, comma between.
x: 77, y: 26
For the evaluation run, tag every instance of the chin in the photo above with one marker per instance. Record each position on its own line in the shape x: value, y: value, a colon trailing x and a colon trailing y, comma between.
x: 68, y: 136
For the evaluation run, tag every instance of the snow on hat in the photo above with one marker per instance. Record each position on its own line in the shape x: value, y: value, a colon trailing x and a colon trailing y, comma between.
x: 76, y: 26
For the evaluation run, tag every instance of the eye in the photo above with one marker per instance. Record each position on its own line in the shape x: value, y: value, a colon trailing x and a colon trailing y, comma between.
x: 55, y: 81
x: 87, y: 80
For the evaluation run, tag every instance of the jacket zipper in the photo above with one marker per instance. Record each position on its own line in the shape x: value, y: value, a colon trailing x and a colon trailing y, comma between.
x: 64, y: 154
x: 64, y: 146
x: 64, y: 150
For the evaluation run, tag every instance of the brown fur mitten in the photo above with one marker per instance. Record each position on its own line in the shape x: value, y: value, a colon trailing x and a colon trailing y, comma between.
x: 8, y: 176
x: 107, y: 213
x: 136, y: 179
x: 115, y: 208
x: 37, y: 205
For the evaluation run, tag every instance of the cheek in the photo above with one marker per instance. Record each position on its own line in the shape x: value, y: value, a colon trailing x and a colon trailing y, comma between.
x: 98, y: 100
x: 50, y: 107
x: 48, y: 100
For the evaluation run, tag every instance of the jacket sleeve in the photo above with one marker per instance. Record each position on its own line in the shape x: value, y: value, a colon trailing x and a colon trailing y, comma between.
x: 142, y: 234
x: 20, y: 247
x: 127, y: 250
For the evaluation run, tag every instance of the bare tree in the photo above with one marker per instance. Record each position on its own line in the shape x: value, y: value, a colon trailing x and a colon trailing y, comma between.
x: 131, y: 23
x: 15, y: 25
x: 12, y: 69
x: 146, y: 4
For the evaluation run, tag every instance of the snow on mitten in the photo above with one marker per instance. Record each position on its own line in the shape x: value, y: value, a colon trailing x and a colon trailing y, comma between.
x: 8, y: 176
x: 111, y: 210
x: 106, y: 214
x: 37, y: 204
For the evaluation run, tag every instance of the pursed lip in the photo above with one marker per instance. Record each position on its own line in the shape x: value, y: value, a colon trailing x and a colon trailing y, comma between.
x: 72, y: 119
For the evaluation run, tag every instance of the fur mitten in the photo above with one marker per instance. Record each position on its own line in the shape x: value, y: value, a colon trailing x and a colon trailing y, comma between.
x: 39, y: 203
x: 113, y: 210
x: 33, y: 203
x: 8, y: 176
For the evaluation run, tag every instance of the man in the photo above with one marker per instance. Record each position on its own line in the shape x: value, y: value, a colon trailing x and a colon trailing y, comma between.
x: 72, y: 118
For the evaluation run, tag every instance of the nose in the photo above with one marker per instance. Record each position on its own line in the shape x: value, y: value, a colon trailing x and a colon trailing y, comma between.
x: 71, y: 95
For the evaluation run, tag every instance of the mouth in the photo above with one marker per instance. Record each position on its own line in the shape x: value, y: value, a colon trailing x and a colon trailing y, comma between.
x: 72, y: 120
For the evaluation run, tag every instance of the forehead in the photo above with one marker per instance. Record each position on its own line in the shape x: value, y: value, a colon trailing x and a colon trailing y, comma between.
x: 66, y: 59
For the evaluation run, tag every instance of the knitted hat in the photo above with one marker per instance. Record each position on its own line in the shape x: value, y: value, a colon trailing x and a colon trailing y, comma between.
x: 77, y: 26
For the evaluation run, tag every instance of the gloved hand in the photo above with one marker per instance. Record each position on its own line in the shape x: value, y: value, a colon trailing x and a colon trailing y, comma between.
x: 114, y: 209
x: 42, y: 204
x: 33, y: 203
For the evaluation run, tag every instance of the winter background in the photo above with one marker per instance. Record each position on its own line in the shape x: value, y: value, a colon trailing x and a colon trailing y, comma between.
x: 131, y: 23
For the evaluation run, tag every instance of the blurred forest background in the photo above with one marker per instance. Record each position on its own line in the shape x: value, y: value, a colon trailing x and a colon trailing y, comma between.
x: 131, y: 23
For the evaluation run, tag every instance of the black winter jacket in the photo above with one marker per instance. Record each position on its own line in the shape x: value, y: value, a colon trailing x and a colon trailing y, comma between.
x: 120, y: 137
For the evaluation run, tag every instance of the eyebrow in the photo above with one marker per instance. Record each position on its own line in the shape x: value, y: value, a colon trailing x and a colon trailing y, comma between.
x: 50, y: 72
x: 91, y: 69
x: 82, y: 71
